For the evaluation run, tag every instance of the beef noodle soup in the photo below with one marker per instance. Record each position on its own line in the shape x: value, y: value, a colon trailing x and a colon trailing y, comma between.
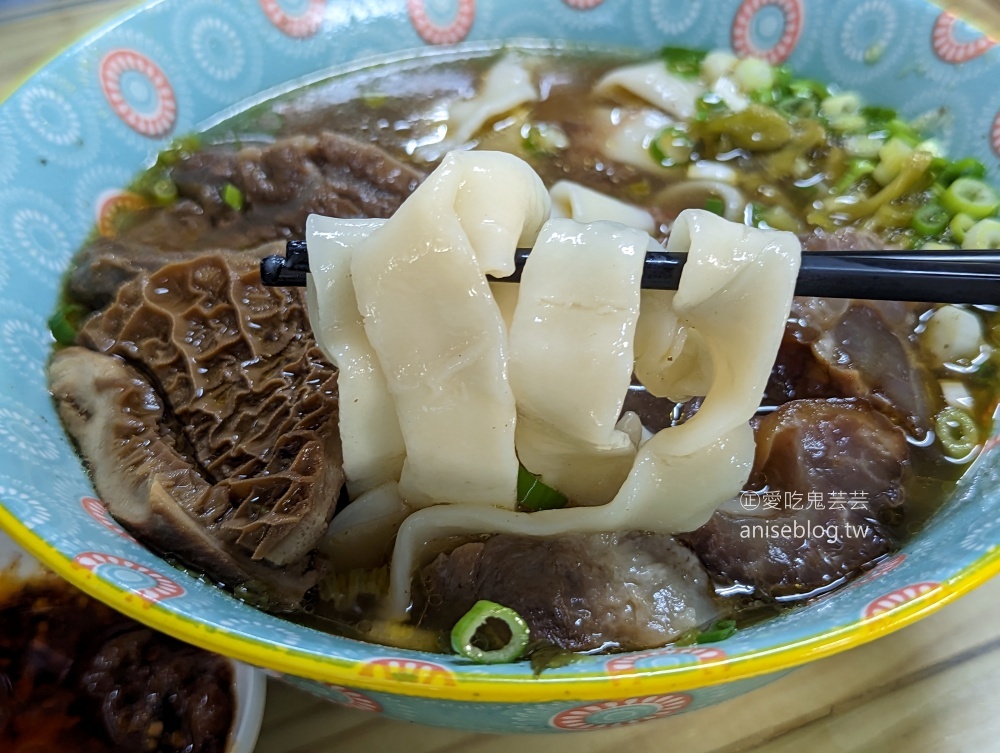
x: 404, y: 450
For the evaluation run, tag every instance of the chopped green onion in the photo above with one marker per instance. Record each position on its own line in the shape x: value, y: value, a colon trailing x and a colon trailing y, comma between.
x: 960, y: 225
x: 963, y: 168
x: 717, y: 64
x: 718, y: 632
x: 708, y: 106
x: 463, y: 635
x: 938, y: 166
x: 765, y: 96
x: 178, y: 150
x: 878, y: 117
x: 164, y: 191
x: 807, y: 87
x: 782, y: 76
x: 931, y: 220
x: 753, y: 215
x: 796, y: 107
x: 754, y: 74
x: 864, y: 145
x: 534, y: 495
x: 547, y: 655
x: 983, y: 236
x: 856, y: 170
x: 543, y: 138
x: 682, y: 61
x: 65, y: 322
x: 957, y: 432
x: 902, y: 130
x: 843, y: 113
x: 715, y: 205
x: 232, y: 197
x: 972, y: 197
x: 779, y: 218
x: 934, y: 147
x: 672, y: 147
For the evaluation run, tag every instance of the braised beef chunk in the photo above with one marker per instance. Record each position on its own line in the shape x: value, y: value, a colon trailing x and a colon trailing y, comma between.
x: 134, y: 679
x: 280, y: 185
x: 846, y: 348
x: 835, y: 469
x: 239, y: 466
x: 76, y: 677
x: 580, y: 592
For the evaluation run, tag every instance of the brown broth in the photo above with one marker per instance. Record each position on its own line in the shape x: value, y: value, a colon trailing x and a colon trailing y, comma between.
x: 397, y: 106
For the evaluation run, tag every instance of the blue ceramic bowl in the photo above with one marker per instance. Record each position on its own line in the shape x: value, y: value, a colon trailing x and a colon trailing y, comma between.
x: 76, y: 133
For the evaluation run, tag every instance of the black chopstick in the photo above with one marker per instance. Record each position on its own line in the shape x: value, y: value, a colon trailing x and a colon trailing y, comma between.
x: 937, y: 276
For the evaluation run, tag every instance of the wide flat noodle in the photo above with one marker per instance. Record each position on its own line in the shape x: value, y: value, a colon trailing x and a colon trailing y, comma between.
x: 670, y: 361
x: 505, y: 86
x: 574, y: 201
x: 361, y: 536
x: 439, y: 336
x: 734, y: 295
x: 571, y: 355
x: 584, y: 204
x: 653, y: 83
x: 369, y: 429
x: 625, y: 134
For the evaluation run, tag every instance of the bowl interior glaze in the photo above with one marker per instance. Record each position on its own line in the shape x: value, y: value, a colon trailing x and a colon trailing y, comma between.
x: 74, y: 135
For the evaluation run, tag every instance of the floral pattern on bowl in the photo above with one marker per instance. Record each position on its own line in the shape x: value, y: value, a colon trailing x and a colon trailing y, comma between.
x: 74, y: 134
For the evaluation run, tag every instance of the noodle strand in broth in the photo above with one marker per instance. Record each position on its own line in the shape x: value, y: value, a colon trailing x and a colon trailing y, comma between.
x: 570, y: 358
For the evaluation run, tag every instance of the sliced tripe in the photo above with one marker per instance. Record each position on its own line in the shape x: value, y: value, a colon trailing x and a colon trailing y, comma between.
x: 369, y: 429
x: 439, y: 335
x: 653, y: 83
x: 571, y: 355
x: 735, y: 293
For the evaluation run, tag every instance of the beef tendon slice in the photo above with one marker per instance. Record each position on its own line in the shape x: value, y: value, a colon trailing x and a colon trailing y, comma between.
x: 837, y: 469
x: 580, y: 592
x: 281, y: 184
x: 239, y: 407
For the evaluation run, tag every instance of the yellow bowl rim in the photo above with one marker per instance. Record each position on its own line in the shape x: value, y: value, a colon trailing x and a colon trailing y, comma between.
x: 484, y: 689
